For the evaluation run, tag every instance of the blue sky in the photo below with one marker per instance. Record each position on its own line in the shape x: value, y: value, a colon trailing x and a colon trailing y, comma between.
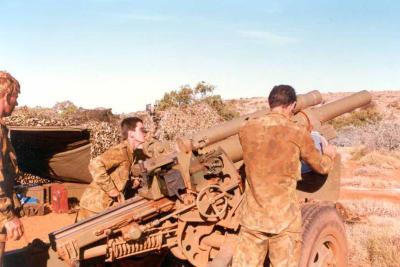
x: 123, y: 54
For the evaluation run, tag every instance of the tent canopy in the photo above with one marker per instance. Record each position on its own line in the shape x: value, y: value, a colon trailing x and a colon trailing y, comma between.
x: 56, y: 153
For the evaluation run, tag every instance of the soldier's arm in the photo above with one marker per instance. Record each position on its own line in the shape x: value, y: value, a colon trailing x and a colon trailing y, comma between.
x: 6, y: 210
x: 8, y: 220
x: 319, y: 163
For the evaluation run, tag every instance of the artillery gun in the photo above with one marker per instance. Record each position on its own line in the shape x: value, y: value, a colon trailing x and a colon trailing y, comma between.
x: 190, y: 201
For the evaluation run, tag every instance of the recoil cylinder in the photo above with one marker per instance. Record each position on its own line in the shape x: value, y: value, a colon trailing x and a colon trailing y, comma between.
x: 119, y: 248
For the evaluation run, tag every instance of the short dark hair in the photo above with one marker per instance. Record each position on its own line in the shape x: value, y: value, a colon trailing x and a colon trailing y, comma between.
x: 282, y: 95
x: 127, y: 124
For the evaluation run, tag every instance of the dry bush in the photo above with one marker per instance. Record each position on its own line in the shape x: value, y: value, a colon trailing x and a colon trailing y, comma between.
x: 371, y: 171
x: 380, y: 160
x: 395, y: 154
x: 372, y: 207
x: 376, y: 243
x: 201, y: 93
x: 368, y: 179
x: 357, y: 118
x: 224, y: 110
x: 359, y: 152
x: 379, y: 136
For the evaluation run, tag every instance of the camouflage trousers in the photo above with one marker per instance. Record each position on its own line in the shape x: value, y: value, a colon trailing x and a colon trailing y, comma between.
x: 283, y: 249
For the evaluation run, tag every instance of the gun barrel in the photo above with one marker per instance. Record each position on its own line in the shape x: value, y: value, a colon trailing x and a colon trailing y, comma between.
x: 308, y: 100
x: 217, y: 133
x: 336, y: 108
x: 315, y: 116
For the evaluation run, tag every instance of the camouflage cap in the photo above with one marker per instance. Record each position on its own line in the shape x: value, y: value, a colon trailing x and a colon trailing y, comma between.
x: 8, y: 84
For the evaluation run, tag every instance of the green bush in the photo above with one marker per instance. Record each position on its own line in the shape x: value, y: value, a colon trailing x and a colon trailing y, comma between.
x: 66, y: 108
x: 201, y: 93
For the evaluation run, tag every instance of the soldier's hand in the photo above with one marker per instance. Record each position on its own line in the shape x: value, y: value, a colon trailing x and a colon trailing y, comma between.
x: 330, y: 151
x: 14, y: 229
x: 113, y: 193
x: 135, y: 182
x: 135, y: 170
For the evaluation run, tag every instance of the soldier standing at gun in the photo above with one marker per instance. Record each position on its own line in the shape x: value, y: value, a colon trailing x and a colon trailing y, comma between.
x: 11, y: 226
x: 111, y: 171
x: 273, y: 146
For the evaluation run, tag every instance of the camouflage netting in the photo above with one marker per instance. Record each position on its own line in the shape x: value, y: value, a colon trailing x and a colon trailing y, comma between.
x: 177, y: 122
x: 104, y: 126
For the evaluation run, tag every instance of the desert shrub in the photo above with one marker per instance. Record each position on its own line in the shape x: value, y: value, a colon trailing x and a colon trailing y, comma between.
x: 201, y: 93
x: 359, y: 152
x: 380, y: 136
x: 65, y: 108
x: 375, y: 243
x: 379, y: 160
x: 224, y: 110
x: 357, y: 118
x: 366, y: 177
x: 388, y: 136
x: 365, y: 207
x: 395, y: 154
x: 383, y: 250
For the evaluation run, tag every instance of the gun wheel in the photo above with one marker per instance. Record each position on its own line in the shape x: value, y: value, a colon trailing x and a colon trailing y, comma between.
x: 324, y: 238
x: 211, y: 202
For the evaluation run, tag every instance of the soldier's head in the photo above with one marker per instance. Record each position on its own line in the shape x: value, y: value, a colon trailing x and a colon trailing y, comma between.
x: 132, y: 129
x: 9, y: 91
x: 282, y: 98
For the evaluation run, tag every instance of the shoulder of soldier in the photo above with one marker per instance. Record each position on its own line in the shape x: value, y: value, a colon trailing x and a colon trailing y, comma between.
x: 283, y: 121
x: 273, y: 118
x: 115, y: 151
x: 118, y: 147
x: 247, y: 123
x: 298, y: 127
x: 253, y: 122
x: 297, y: 131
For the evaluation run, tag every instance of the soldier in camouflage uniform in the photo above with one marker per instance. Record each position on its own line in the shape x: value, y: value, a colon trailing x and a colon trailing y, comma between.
x: 112, y: 171
x: 11, y: 226
x: 273, y: 146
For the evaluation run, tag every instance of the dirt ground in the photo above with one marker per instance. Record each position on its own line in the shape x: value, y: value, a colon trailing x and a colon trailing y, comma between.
x: 40, y: 227
x: 371, y: 195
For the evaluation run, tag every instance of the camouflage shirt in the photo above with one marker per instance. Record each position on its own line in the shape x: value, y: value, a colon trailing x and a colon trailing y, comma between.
x: 272, y: 148
x: 110, y: 170
x: 8, y: 174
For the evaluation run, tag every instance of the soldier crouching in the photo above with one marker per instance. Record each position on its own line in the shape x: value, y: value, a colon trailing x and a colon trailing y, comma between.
x: 111, y: 171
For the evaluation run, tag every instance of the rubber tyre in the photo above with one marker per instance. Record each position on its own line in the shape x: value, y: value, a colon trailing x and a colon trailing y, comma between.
x: 324, y: 237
